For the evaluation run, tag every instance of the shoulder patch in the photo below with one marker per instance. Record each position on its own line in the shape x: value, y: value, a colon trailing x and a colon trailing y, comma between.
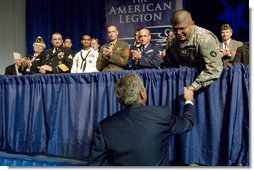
x: 213, y: 53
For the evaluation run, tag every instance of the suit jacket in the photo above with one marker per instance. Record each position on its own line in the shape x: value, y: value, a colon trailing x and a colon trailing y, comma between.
x: 242, y: 54
x: 118, y: 59
x: 138, y: 135
x: 35, y: 63
x: 10, y: 70
x: 150, y: 57
x: 232, y: 46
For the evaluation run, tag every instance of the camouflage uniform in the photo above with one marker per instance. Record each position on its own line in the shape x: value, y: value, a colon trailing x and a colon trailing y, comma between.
x: 200, y: 50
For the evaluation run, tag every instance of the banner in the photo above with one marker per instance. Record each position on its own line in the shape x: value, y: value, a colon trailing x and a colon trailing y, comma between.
x: 129, y: 15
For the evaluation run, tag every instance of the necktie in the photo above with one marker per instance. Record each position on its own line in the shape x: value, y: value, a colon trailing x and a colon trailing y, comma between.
x: 84, y: 60
x: 226, y: 44
x: 142, y: 48
x: 55, y: 50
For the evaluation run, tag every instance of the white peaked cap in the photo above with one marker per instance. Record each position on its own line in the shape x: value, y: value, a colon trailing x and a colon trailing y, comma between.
x: 16, y: 55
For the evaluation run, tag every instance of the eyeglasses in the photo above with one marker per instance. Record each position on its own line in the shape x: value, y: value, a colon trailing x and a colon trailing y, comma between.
x: 181, y: 29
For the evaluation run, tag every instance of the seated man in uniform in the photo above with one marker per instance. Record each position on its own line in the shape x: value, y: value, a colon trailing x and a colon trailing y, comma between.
x: 148, y: 55
x: 58, y: 59
x: 85, y: 60
x: 113, y: 55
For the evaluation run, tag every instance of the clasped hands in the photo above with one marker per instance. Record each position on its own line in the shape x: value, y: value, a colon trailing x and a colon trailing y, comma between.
x: 225, y: 52
x: 107, y: 52
x: 44, y: 68
x: 136, y: 54
x: 25, y: 62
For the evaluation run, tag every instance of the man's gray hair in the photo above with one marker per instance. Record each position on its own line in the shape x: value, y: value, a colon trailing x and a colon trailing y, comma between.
x: 128, y: 88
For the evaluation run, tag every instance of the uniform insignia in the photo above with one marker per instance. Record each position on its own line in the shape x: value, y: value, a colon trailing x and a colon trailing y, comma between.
x: 151, y: 50
x: 63, y: 67
x: 213, y: 53
x: 118, y: 49
x: 69, y: 57
x: 60, y: 55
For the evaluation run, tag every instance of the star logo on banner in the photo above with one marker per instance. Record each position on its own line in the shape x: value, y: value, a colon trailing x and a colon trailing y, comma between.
x: 234, y: 16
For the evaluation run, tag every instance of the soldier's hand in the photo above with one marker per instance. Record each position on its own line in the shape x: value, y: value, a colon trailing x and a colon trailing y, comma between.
x: 107, y: 52
x: 46, y: 67
x: 188, y: 94
x: 41, y: 70
x: 191, y: 88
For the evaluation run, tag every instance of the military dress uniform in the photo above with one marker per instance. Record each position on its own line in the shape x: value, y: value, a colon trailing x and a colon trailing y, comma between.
x: 150, y: 57
x: 60, y: 60
x: 201, y: 50
x: 85, y: 61
x: 118, y: 59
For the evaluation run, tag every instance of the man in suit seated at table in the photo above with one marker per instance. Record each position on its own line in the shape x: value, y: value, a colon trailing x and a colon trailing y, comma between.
x: 148, y: 55
x: 139, y: 134
x: 14, y: 69
x: 113, y: 55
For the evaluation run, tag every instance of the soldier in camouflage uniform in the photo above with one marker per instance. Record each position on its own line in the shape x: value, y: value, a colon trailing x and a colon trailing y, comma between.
x: 193, y: 46
x: 58, y: 59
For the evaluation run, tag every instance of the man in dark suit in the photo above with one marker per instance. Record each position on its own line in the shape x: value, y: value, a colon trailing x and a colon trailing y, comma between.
x: 32, y: 61
x: 14, y: 69
x: 113, y: 56
x: 148, y: 55
x: 58, y: 59
x: 139, y: 134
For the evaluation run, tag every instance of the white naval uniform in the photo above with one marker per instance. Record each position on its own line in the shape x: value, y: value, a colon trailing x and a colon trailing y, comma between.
x: 85, y: 61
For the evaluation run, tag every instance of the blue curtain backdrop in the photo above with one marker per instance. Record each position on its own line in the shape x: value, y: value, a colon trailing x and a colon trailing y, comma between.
x: 56, y: 114
x: 70, y: 18
x: 74, y: 18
